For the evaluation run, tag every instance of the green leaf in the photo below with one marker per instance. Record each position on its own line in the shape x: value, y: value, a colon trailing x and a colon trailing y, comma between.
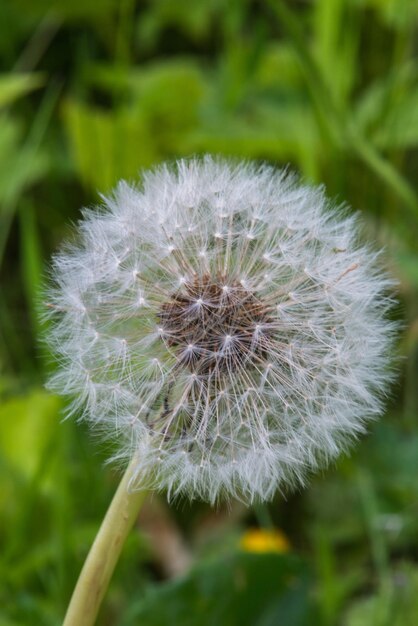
x: 107, y: 146
x: 26, y: 425
x: 400, y: 129
x: 388, y: 109
x: 398, y: 14
x: 14, y: 86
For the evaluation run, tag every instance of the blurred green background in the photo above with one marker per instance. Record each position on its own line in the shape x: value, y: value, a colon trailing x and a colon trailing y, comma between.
x: 92, y: 91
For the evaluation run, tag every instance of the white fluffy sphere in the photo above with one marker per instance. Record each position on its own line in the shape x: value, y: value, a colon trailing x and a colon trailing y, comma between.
x: 223, y: 323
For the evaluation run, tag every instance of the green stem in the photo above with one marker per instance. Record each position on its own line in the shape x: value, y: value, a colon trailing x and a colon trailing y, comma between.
x: 104, y: 553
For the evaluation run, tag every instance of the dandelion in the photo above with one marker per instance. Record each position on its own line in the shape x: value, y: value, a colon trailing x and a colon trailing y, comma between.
x: 223, y: 323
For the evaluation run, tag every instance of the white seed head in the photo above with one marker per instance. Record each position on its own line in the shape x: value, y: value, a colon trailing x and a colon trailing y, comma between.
x: 230, y: 351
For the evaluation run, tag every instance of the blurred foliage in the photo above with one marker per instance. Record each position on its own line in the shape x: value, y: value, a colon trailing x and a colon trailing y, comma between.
x: 94, y: 90
x: 240, y: 590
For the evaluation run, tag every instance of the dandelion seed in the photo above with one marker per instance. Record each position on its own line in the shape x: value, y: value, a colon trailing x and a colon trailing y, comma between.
x: 235, y: 336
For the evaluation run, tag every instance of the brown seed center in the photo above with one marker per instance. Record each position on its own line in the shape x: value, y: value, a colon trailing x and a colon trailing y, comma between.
x: 215, y: 325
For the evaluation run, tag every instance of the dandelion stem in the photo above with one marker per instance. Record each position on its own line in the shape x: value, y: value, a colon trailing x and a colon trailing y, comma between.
x: 104, y: 553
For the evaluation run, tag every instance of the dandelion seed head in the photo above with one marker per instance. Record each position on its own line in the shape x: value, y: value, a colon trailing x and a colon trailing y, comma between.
x: 226, y: 324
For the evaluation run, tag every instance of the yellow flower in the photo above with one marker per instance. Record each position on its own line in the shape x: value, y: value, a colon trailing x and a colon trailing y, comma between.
x: 261, y: 540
